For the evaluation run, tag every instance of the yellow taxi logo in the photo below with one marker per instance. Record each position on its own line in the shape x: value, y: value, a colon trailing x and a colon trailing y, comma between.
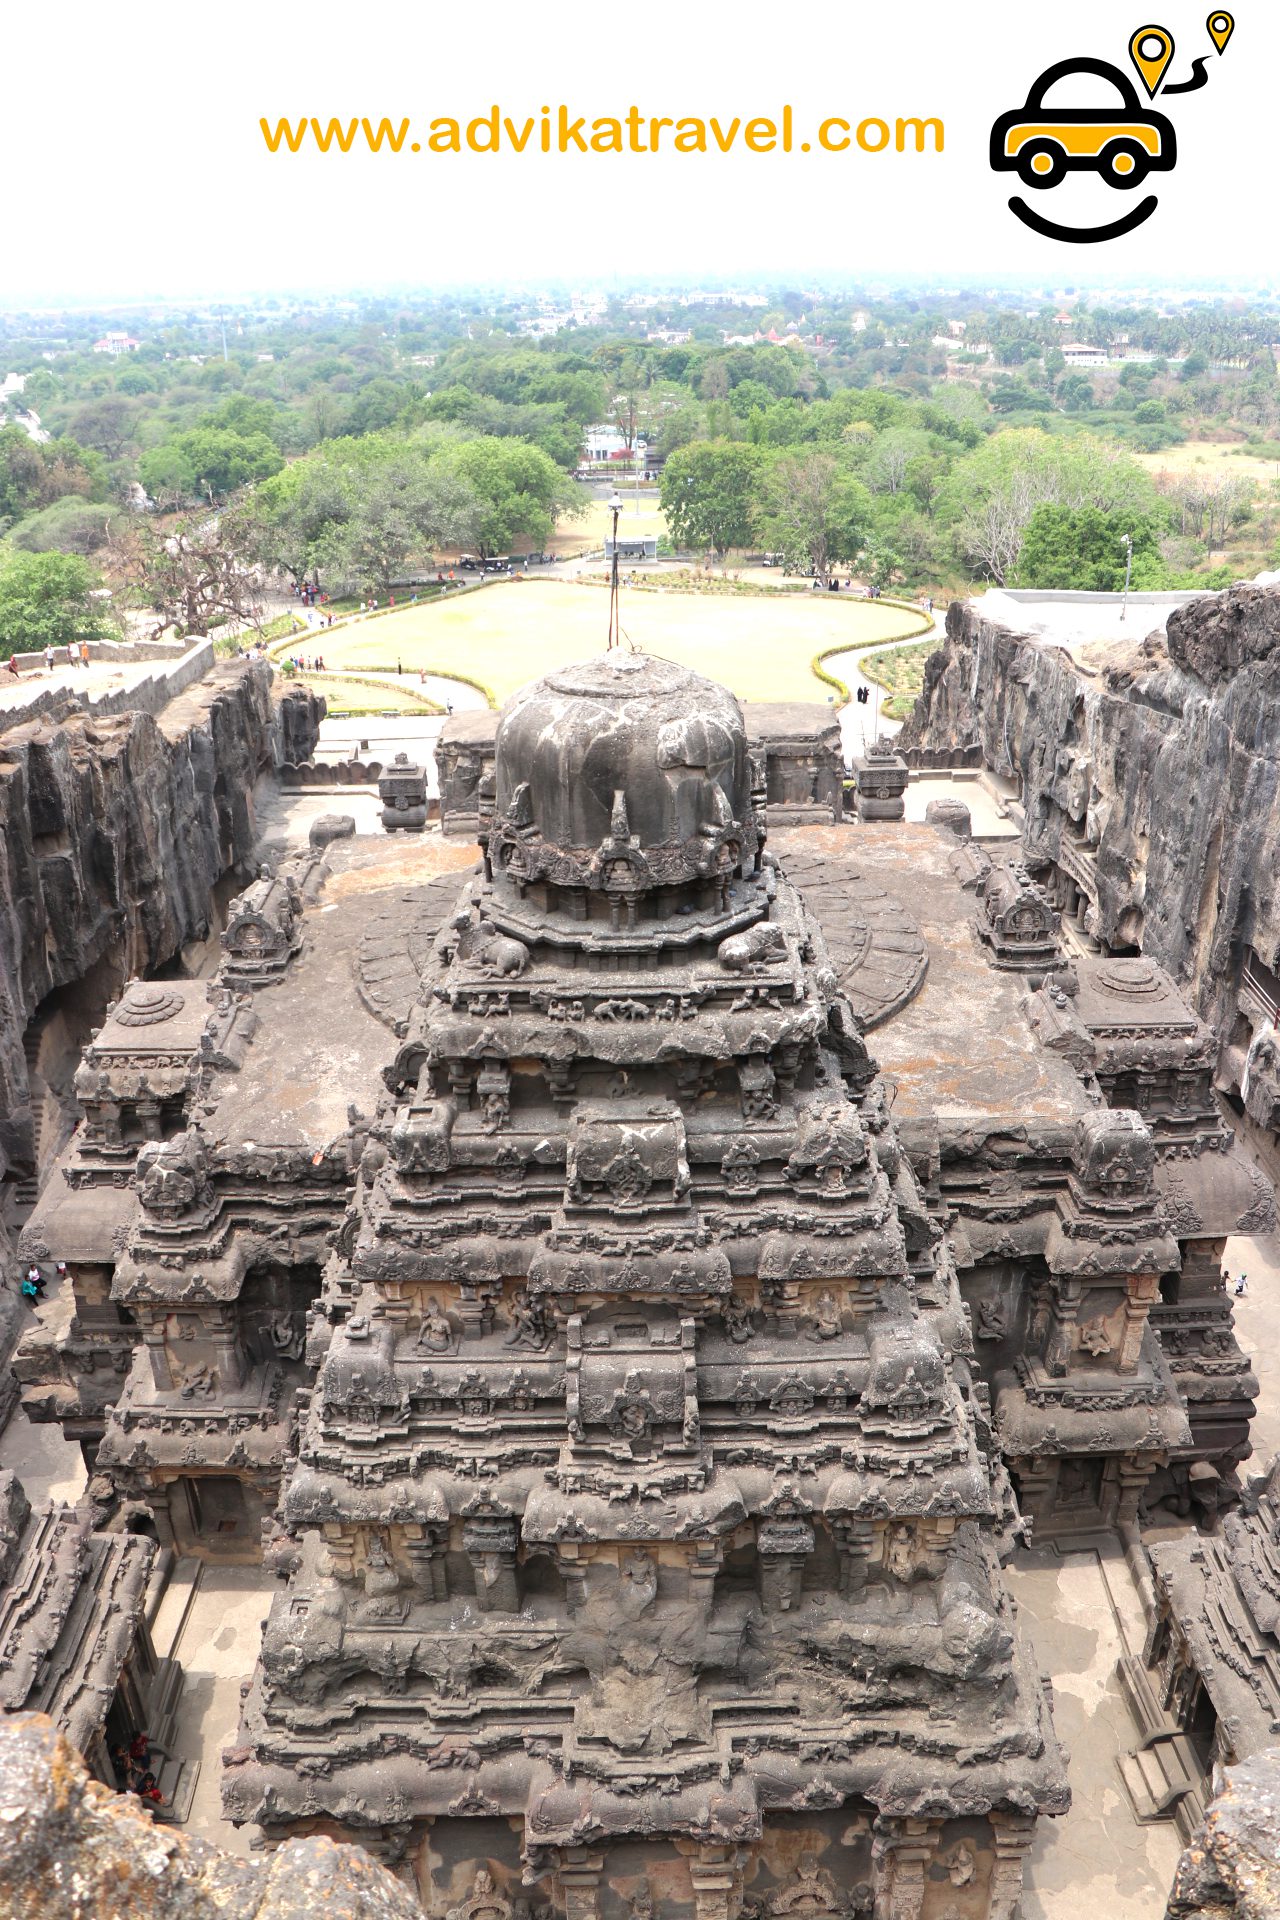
x: 1043, y: 144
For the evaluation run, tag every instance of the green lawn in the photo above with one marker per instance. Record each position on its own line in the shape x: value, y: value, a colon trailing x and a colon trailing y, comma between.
x: 513, y: 633
x: 900, y: 671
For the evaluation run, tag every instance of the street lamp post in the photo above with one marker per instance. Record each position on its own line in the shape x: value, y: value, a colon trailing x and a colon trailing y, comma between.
x: 615, y: 625
x: 1127, y: 538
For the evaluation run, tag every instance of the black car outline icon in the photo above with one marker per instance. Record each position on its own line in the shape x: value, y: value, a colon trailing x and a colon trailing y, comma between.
x: 1043, y: 144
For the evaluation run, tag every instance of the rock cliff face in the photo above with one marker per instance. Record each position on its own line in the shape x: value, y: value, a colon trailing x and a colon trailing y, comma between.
x: 71, y: 1849
x: 1231, y: 1870
x: 1148, y: 770
x: 114, y: 833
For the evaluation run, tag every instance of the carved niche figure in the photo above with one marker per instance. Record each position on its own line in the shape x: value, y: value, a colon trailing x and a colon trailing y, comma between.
x: 173, y: 1175
x: 288, y: 1335
x: 992, y: 1322
x: 900, y: 1555
x: 1261, y: 1082
x: 632, y: 1414
x: 530, y: 1321
x: 380, y: 1576
x: 493, y: 1084
x: 740, y: 1167
x: 826, y: 1318
x: 1094, y: 1337
x: 200, y: 1383
x: 813, y: 1892
x: 961, y: 1863
x: 484, y: 1902
x: 435, y: 1333
x: 736, y: 1317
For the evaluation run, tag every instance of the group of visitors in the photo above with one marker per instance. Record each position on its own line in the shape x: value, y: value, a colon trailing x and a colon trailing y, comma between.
x: 76, y: 651
x: 34, y: 1283
x: 302, y: 663
x: 134, y: 1771
x: 309, y: 595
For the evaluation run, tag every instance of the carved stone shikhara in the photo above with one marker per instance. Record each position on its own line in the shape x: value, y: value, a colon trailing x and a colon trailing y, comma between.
x: 797, y: 743
x: 643, y: 1534
x: 634, y: 1384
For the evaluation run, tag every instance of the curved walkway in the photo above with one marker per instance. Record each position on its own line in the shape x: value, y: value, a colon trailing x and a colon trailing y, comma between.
x: 860, y: 725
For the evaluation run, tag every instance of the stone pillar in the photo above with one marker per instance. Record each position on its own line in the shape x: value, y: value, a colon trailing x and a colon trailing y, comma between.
x: 427, y: 1561
x: 229, y: 1356
x: 1133, y: 1472
x: 1037, y: 1476
x: 157, y: 1498
x: 1141, y: 1290
x: 474, y: 1305
x: 782, y: 1547
x: 1060, y: 1343
x: 580, y: 1871
x: 158, y: 1355
x: 714, y: 1878
x: 490, y: 1545
x: 900, y: 1856
x: 1012, y: 1834
x: 705, y: 1563
x: 854, y: 1542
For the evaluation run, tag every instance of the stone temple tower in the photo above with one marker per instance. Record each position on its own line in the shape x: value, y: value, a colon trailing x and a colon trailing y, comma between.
x: 643, y: 1546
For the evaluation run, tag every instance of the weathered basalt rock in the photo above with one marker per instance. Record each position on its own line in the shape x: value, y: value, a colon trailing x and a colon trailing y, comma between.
x: 1150, y: 786
x: 115, y: 832
x: 69, y: 1847
x: 1231, y: 1870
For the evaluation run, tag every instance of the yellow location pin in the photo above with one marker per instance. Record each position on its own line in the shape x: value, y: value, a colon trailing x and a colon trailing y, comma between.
x: 1151, y: 50
x: 1221, y: 27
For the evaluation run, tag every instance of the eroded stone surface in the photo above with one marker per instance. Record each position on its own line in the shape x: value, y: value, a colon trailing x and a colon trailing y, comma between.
x: 70, y: 1848
x: 1231, y: 1870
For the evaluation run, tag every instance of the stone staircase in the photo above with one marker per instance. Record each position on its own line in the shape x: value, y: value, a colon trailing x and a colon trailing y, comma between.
x: 169, y: 1602
x: 1162, y: 1776
x: 26, y: 1190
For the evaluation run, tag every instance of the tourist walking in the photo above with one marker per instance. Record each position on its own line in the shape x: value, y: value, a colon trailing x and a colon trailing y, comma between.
x: 1242, y: 1285
x: 48, y: 658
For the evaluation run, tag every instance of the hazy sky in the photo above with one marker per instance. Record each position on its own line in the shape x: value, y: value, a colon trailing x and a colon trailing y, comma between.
x: 135, y: 165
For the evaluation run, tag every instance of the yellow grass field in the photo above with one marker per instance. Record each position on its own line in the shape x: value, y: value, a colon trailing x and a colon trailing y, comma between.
x: 581, y: 536
x: 1209, y: 456
x: 512, y: 633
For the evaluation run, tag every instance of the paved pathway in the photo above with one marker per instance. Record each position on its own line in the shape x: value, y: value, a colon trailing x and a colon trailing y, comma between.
x: 860, y: 726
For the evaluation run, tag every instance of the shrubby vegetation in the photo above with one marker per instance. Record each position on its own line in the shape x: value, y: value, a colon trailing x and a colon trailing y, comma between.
x: 47, y: 600
x: 920, y: 444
